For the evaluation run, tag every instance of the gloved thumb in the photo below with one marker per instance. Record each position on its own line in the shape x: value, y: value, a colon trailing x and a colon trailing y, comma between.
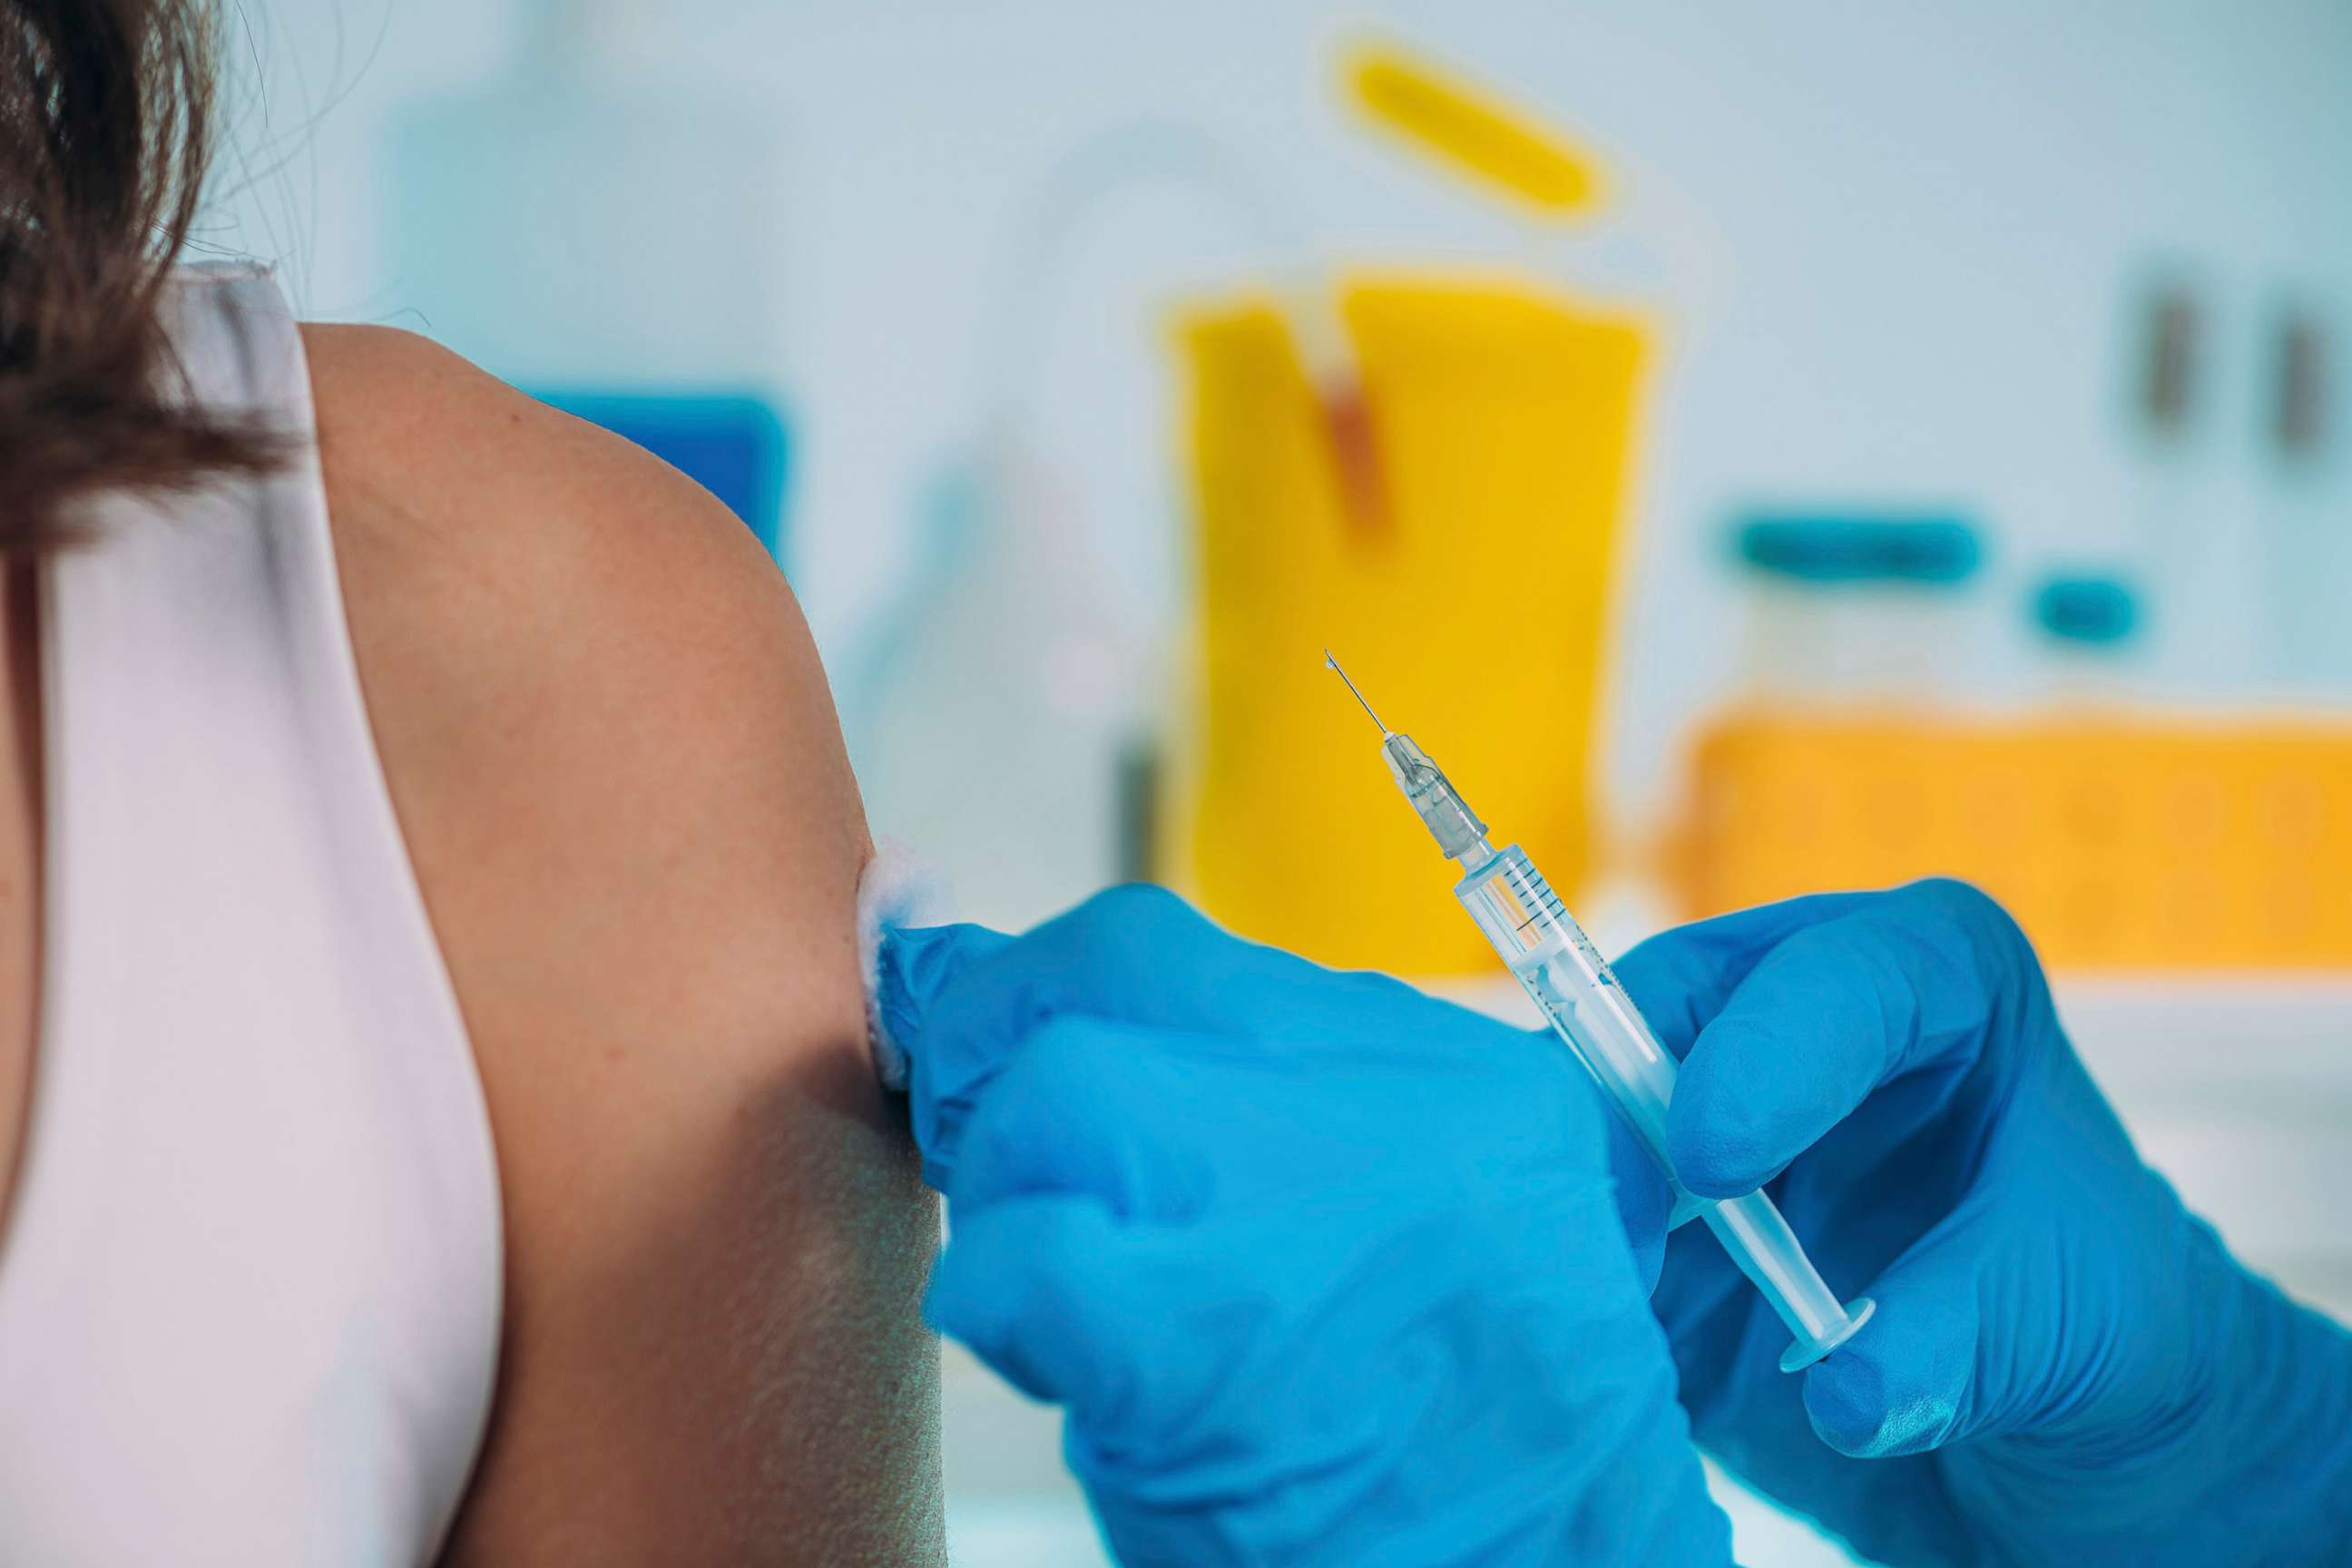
x: 918, y: 1048
x: 1907, y: 1382
x: 913, y: 967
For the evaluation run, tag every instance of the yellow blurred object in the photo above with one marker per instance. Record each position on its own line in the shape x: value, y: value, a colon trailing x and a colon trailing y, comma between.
x: 1505, y: 421
x: 2119, y: 843
x: 1470, y: 131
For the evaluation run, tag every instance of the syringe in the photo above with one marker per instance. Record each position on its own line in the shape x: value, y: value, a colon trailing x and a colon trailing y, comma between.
x: 1549, y: 955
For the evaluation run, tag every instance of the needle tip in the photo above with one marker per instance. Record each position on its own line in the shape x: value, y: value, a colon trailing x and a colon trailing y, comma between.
x: 1333, y: 665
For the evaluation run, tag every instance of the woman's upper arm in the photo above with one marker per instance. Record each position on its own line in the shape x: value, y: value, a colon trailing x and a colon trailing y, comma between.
x: 617, y: 765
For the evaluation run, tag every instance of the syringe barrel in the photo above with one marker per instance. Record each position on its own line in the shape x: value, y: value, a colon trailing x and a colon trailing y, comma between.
x: 1549, y: 955
x: 1760, y: 1242
x: 1571, y: 984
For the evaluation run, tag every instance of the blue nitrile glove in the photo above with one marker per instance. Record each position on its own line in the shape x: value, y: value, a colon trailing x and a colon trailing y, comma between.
x: 2067, y: 1365
x: 1324, y: 1271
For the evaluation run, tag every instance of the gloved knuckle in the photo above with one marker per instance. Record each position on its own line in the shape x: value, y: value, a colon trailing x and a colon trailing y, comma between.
x: 1676, y: 959
x: 1947, y: 902
x: 1144, y: 905
x: 980, y: 1022
x: 1065, y: 1046
x: 1948, y: 896
x: 986, y: 1149
x: 1977, y: 915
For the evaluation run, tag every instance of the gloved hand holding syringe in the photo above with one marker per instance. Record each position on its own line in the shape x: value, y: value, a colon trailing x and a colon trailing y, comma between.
x: 1549, y: 955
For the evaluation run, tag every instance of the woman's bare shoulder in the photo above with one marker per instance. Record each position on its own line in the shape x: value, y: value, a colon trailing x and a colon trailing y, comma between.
x: 617, y: 765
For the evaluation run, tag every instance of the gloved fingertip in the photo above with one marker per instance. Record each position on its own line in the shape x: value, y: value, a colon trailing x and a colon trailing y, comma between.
x: 912, y: 965
x: 1722, y: 1138
x: 1881, y: 1400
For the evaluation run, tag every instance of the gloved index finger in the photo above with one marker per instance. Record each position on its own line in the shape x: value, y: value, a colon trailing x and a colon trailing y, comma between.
x: 1898, y: 981
x: 1680, y: 979
x: 915, y: 968
x: 1140, y: 954
x: 959, y: 1003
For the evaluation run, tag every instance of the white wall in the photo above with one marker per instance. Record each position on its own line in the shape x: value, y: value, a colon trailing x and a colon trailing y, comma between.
x: 1917, y: 226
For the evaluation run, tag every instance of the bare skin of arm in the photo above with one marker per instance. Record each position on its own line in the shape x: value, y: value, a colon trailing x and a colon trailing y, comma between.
x: 616, y: 760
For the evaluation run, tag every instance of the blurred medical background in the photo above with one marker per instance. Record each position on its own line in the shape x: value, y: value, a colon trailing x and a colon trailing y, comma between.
x: 1759, y: 448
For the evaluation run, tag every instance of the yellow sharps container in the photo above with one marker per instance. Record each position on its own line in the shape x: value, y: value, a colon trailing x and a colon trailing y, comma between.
x: 1473, y: 605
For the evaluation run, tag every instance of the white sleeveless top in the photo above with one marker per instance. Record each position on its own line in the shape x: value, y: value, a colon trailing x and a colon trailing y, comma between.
x: 249, y: 1291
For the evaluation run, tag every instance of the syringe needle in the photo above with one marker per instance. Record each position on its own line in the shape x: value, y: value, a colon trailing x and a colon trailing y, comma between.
x: 1333, y: 665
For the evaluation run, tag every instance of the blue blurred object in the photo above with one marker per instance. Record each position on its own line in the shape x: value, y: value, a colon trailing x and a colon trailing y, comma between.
x: 735, y: 446
x: 2066, y: 1366
x: 1324, y: 1271
x: 2094, y: 610
x: 1833, y: 548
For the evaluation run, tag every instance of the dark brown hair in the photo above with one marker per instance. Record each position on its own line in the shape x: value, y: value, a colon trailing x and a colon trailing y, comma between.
x: 105, y: 126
